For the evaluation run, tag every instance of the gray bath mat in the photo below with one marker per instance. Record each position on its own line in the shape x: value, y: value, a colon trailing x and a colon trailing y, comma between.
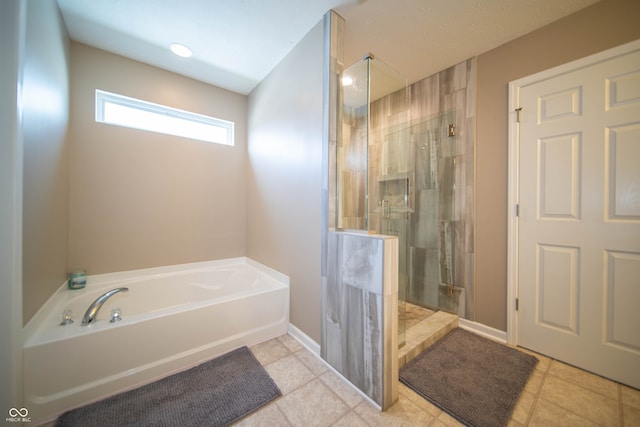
x: 215, y: 393
x: 475, y: 380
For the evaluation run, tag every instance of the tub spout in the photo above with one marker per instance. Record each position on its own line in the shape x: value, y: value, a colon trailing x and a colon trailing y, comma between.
x: 95, y: 307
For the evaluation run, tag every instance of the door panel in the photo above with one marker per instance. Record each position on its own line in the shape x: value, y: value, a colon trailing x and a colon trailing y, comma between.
x: 559, y: 175
x: 621, y: 300
x: 556, y: 299
x: 622, y: 151
x: 578, y: 279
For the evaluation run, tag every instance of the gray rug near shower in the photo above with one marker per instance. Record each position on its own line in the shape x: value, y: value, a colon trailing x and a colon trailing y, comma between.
x: 215, y: 393
x: 475, y: 380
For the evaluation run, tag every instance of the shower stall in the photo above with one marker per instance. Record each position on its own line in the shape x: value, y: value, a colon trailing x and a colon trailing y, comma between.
x: 398, y: 198
x: 403, y: 165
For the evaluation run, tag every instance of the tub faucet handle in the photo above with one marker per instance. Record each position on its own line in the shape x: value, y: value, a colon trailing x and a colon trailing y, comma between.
x: 116, y: 315
x: 67, y: 318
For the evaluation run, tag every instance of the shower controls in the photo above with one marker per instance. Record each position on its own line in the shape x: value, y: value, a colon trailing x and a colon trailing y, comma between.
x: 386, y: 211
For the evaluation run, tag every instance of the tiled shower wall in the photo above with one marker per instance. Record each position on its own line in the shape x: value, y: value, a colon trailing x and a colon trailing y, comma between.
x: 353, y: 169
x: 441, y: 243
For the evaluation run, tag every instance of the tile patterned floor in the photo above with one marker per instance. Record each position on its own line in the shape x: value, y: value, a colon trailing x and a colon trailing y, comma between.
x: 313, y: 395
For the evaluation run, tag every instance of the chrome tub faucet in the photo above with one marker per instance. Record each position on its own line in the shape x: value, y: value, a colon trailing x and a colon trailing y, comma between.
x: 92, y: 312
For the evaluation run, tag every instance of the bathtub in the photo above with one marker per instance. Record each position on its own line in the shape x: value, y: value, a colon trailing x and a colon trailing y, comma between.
x: 172, y: 318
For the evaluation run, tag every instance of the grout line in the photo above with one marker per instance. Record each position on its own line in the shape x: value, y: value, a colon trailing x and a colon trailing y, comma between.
x: 601, y: 397
x: 282, y: 413
x: 344, y: 415
x: 620, y: 405
x: 347, y: 382
x: 277, y: 401
x: 536, y: 395
x: 317, y: 377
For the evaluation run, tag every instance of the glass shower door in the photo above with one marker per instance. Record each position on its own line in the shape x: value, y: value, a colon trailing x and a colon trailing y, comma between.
x: 390, y: 170
x: 373, y: 169
x: 392, y: 203
x: 436, y: 224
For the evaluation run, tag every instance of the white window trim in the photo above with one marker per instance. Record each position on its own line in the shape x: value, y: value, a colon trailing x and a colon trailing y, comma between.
x: 103, y: 99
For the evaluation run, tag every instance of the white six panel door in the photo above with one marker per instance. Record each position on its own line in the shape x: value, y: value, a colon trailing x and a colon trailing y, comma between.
x: 579, y: 217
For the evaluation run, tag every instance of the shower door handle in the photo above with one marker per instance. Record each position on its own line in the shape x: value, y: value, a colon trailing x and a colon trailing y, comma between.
x: 386, y: 210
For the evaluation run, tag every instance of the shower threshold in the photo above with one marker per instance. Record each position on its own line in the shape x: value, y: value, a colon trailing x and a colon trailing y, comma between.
x: 423, y: 332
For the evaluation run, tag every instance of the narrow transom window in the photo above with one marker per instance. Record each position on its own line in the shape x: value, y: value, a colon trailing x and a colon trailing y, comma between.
x: 122, y: 110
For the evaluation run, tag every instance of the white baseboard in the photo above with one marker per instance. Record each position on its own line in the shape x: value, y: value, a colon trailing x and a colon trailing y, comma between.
x: 304, y: 339
x: 483, y: 330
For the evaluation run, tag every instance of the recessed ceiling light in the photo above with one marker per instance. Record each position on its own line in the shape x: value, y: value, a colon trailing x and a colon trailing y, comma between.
x: 180, y: 50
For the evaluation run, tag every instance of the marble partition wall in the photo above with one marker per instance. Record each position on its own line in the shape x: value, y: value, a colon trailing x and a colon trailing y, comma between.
x: 360, y: 313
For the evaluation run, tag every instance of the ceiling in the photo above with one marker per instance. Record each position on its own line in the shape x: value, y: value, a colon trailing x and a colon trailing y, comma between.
x: 236, y: 43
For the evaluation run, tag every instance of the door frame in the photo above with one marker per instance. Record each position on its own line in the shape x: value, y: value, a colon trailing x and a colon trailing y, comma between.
x: 514, y: 172
x: 12, y: 40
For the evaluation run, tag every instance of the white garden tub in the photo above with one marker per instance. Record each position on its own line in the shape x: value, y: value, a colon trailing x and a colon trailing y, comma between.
x: 173, y: 318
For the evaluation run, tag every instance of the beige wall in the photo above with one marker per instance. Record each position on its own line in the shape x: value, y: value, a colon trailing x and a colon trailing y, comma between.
x: 140, y: 199
x: 45, y: 115
x: 285, y: 176
x: 137, y: 199
x: 604, y: 25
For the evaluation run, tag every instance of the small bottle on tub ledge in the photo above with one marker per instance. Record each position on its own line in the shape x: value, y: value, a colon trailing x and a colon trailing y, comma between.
x: 77, y: 279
